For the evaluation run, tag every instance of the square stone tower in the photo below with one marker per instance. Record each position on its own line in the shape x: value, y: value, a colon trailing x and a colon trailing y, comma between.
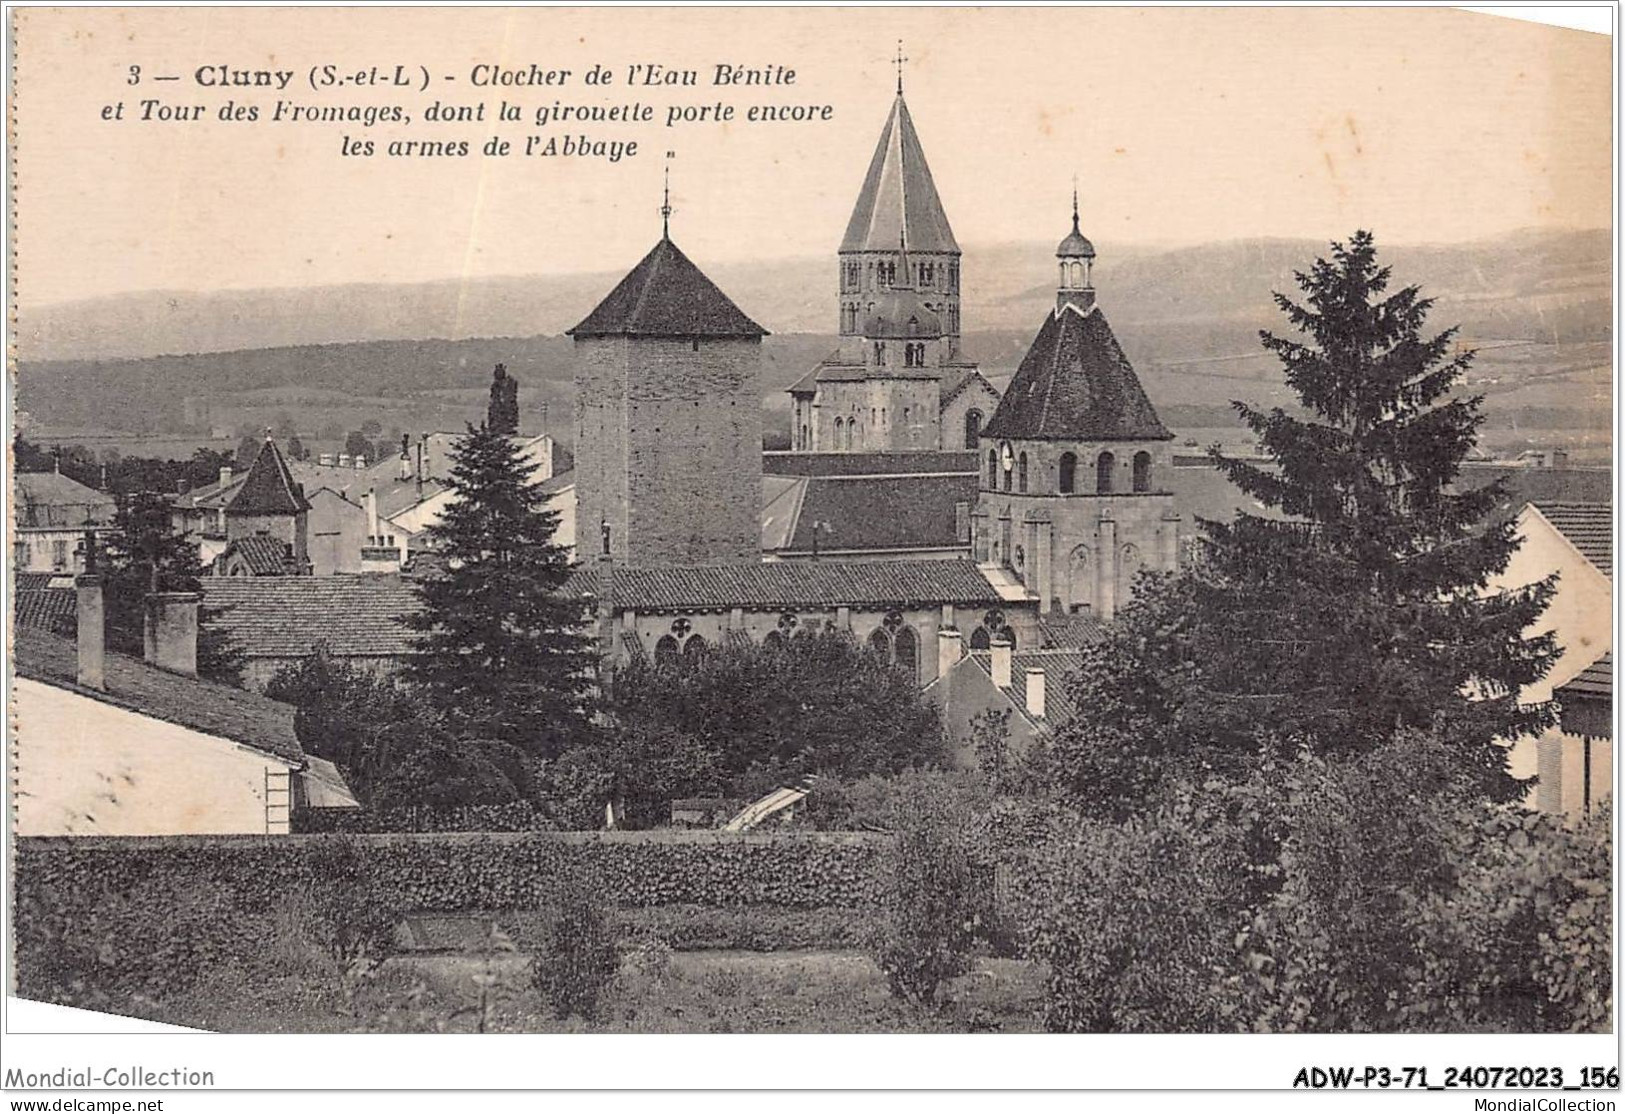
x: 668, y: 420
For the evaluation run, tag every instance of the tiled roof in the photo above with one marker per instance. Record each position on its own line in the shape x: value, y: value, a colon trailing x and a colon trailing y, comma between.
x: 285, y: 616
x: 263, y: 554
x: 785, y: 584
x: 1060, y: 668
x: 33, y: 581
x: 870, y: 464
x: 52, y: 499
x: 1075, y: 384
x: 269, y: 488
x: 958, y: 378
x: 1589, y: 527
x: 50, y: 609
x: 225, y: 712
x: 666, y: 295
x: 898, y: 196
x: 868, y: 513
x: 1068, y: 632
x: 1595, y: 680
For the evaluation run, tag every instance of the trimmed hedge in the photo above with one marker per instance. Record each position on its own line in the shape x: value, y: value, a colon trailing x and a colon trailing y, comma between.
x: 517, y: 816
x: 467, y: 872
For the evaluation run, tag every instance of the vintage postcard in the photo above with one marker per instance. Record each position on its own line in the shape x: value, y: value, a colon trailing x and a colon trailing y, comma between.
x: 842, y: 520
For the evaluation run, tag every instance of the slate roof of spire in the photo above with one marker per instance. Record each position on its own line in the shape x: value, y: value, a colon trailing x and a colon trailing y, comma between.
x: 898, y: 197
x: 1075, y: 384
x: 666, y: 295
x: 270, y: 487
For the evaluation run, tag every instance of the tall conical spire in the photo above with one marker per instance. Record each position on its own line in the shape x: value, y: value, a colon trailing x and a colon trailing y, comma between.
x: 898, y: 194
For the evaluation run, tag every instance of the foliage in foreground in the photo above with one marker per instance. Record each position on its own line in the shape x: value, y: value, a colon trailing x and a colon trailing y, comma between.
x: 1369, y: 894
x: 577, y: 958
x: 934, y: 893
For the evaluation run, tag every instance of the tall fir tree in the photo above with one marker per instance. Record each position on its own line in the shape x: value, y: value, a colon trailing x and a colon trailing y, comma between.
x: 1366, y: 608
x: 144, y: 555
x: 501, y: 651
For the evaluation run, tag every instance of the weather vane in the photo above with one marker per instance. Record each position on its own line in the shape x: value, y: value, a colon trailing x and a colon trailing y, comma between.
x: 665, y: 203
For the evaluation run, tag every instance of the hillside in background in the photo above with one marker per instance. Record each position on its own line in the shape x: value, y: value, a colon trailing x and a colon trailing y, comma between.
x: 1537, y: 305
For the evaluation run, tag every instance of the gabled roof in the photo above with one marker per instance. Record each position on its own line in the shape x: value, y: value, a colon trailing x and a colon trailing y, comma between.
x: 772, y: 585
x: 222, y: 711
x: 1059, y: 666
x: 898, y: 199
x: 269, y: 488
x: 964, y: 376
x: 1595, y: 680
x: 666, y: 295
x: 1589, y: 527
x: 1075, y: 384
x: 357, y: 615
x: 52, y: 499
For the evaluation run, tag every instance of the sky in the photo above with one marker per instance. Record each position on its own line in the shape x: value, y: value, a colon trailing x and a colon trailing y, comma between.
x: 1181, y: 126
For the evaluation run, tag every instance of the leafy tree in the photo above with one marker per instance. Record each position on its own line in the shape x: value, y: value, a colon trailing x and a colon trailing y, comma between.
x: 500, y: 647
x: 357, y: 444
x: 817, y: 704
x: 577, y: 958
x: 144, y: 555
x: 443, y: 774
x: 1364, y: 609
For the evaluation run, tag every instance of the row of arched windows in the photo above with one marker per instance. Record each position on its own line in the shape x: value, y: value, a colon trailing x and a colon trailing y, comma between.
x: 1067, y: 472
x: 901, y: 648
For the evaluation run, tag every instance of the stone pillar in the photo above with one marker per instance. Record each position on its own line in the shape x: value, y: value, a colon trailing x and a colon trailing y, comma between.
x: 1043, y: 563
x: 92, y: 632
x: 843, y: 618
x: 170, y: 631
x: 1170, y: 541
x: 980, y: 540
x: 1106, y: 568
x: 1006, y: 546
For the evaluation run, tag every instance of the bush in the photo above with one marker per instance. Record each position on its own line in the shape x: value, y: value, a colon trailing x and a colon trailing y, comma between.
x: 349, y: 917
x: 934, y: 897
x: 577, y: 959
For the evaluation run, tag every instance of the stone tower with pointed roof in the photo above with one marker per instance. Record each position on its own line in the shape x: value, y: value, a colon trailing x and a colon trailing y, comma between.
x: 668, y: 420
x: 270, y: 503
x: 897, y: 382
x: 1074, y: 499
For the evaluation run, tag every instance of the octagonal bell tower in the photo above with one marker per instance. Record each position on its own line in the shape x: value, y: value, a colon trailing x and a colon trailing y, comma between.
x: 1074, y: 498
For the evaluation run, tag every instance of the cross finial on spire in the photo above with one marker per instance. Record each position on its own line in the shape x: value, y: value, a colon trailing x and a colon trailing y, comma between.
x: 900, y: 59
x: 665, y: 202
x: 1075, y: 204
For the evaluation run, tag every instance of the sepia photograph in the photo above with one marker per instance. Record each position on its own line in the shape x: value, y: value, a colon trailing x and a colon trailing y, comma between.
x: 846, y: 520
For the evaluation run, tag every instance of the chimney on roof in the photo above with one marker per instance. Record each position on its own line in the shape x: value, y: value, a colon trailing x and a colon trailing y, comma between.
x: 1035, y: 693
x: 406, y: 456
x: 370, y: 502
x: 170, y: 631
x: 182, y: 486
x: 962, y: 521
x: 225, y: 474
x: 360, y: 461
x: 92, y: 632
x: 423, y: 463
x: 1001, y: 662
x: 950, y: 648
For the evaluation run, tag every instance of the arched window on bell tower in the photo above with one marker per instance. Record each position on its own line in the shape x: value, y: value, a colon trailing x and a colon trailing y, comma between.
x: 1105, y: 466
x: 1069, y: 473
x: 1142, y: 471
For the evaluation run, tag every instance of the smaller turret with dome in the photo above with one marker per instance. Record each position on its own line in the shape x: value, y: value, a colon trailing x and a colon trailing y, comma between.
x: 1077, y: 258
